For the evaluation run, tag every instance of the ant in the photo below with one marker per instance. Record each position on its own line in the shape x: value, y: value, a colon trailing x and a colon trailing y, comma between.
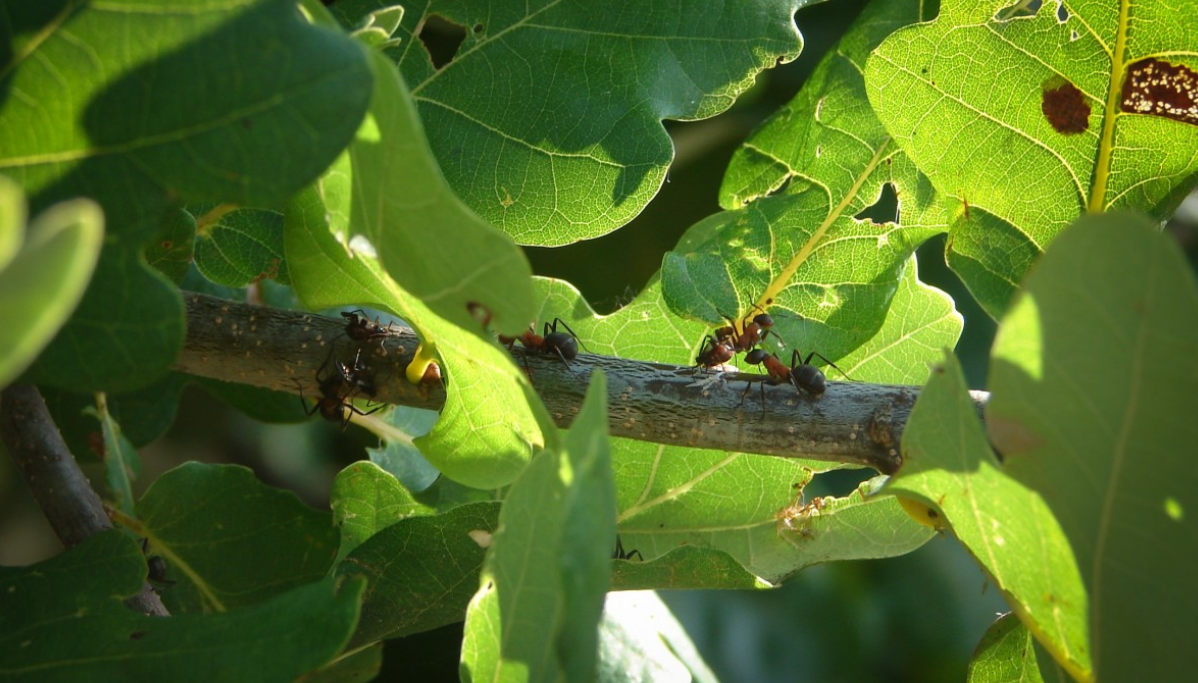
x: 563, y: 344
x: 359, y: 328
x: 620, y: 554
x: 338, y: 387
x: 752, y: 333
x: 715, y: 352
x: 156, y: 566
x: 801, y: 373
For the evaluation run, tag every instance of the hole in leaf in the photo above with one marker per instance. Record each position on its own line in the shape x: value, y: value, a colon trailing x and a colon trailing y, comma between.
x: 441, y: 39
x: 1021, y: 9
x: 884, y: 210
x: 1062, y: 13
x: 1065, y: 107
x: 478, y: 29
x: 1159, y: 88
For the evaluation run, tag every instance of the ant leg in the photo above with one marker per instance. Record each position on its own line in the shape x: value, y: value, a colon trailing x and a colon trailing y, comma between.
x: 567, y: 363
x: 638, y: 554
x: 830, y: 363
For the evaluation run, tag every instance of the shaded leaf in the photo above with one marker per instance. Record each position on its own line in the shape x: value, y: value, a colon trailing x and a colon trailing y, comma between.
x: 121, y: 462
x: 1006, y: 526
x: 421, y: 571
x: 1052, y: 130
x: 398, y: 454
x: 547, y: 119
x: 1091, y: 380
x: 67, y: 615
x: 250, y: 102
x: 239, y: 247
x: 229, y: 540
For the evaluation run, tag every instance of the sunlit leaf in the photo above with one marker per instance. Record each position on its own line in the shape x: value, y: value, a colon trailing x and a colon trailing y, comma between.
x: 1092, y: 377
x: 1064, y: 119
x: 1008, y: 528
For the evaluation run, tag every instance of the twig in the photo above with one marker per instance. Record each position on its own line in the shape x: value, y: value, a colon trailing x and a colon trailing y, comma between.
x: 59, y: 486
x: 853, y: 422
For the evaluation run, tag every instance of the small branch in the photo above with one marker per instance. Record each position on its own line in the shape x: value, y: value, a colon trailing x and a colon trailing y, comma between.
x: 59, y: 486
x: 852, y: 423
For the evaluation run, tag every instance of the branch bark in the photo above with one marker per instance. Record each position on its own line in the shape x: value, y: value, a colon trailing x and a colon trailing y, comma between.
x: 52, y: 474
x: 853, y: 422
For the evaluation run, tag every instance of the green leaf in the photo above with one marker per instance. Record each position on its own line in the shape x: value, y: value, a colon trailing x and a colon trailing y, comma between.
x: 259, y: 403
x: 685, y: 567
x: 921, y: 321
x: 1062, y: 122
x: 421, y: 571
x: 1006, y: 526
x: 62, y: 620
x: 249, y: 103
x: 728, y: 502
x: 239, y: 247
x: 825, y: 275
x: 230, y: 541
x: 492, y: 420
x: 1092, y: 377
x: 361, y: 666
x: 365, y: 500
x: 121, y: 462
x: 547, y: 121
x: 398, y: 455
x: 172, y: 250
x: 640, y: 640
x: 547, y: 572
x: 428, y: 240
x: 1006, y: 653
x: 43, y: 272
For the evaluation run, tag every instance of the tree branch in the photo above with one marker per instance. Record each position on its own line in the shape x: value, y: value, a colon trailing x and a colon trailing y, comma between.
x: 59, y: 486
x: 852, y: 423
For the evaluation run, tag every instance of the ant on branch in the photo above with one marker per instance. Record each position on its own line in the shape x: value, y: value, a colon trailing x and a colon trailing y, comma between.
x: 620, y: 553
x: 338, y: 388
x: 156, y: 567
x: 360, y: 329
x: 562, y: 344
x: 802, y: 374
x: 752, y: 332
x: 715, y: 352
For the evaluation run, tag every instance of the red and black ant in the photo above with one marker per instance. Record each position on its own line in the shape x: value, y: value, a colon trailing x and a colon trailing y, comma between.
x: 801, y: 373
x: 752, y: 332
x: 715, y: 352
x: 562, y: 344
x: 620, y: 553
x: 338, y: 388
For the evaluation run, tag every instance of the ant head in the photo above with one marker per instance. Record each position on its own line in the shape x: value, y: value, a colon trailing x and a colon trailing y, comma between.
x: 810, y: 379
x: 764, y: 320
x: 332, y: 409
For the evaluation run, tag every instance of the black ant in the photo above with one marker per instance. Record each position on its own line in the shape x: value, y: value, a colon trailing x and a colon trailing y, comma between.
x: 801, y: 373
x: 156, y: 566
x: 360, y: 329
x: 338, y: 387
x: 620, y: 554
x: 563, y: 344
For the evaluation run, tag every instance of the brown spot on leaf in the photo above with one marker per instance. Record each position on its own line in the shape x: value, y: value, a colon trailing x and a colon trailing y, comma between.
x: 1066, y: 109
x: 1159, y: 88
